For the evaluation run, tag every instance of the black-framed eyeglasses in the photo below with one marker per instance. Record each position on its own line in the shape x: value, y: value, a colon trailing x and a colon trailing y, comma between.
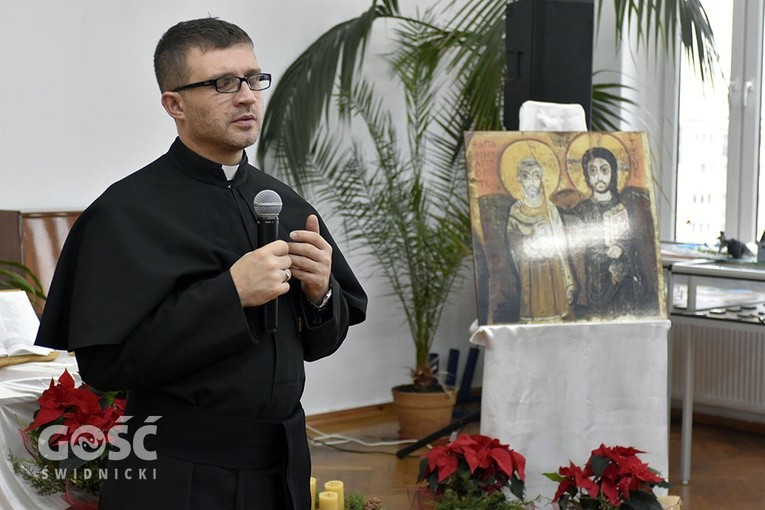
x: 232, y: 84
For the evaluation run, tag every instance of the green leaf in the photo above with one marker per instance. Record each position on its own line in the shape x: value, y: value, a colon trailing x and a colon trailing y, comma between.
x: 14, y: 279
x: 657, y: 22
x: 607, y: 105
x: 641, y: 500
x: 405, y: 203
x: 517, y: 487
x: 304, y: 92
x: 599, y: 464
x: 555, y: 477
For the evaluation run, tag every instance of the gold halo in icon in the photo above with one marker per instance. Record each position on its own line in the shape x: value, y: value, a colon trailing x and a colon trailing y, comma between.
x: 586, y: 141
x: 528, y: 148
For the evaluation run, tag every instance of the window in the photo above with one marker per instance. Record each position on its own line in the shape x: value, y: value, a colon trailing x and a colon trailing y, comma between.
x: 704, y: 118
x: 719, y: 147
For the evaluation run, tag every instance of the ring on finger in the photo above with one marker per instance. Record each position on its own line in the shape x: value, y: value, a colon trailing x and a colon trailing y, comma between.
x: 287, y: 275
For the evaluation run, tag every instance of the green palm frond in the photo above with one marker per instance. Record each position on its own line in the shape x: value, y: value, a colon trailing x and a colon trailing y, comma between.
x: 304, y: 92
x: 607, y: 102
x: 480, y: 58
x: 658, y: 22
x: 19, y: 276
x: 465, y: 49
x: 413, y: 225
x: 403, y: 199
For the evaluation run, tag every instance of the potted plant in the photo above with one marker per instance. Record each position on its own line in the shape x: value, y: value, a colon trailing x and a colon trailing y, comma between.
x: 613, y: 478
x: 406, y: 206
x: 75, y: 420
x: 406, y: 203
x: 474, y: 471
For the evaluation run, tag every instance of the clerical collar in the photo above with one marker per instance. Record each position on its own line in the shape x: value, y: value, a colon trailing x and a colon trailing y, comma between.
x: 230, y: 171
x: 202, y: 169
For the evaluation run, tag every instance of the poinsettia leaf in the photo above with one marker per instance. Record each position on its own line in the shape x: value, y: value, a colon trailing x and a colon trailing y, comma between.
x: 447, y: 465
x: 641, y: 500
x: 610, y: 491
x: 599, y: 464
x: 463, y: 472
x: 520, y: 464
x: 45, y: 415
x: 424, y: 471
x: 66, y: 380
x: 433, y: 483
x: 517, y: 487
x: 71, y: 462
x: 504, y: 460
x: 658, y: 480
x: 626, y: 451
x: 472, y: 459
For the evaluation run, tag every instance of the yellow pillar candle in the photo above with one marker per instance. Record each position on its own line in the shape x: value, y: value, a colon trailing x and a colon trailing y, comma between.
x: 336, y: 486
x: 328, y: 501
x: 313, y: 493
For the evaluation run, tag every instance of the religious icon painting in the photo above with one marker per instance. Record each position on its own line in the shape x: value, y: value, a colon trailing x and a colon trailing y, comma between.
x: 564, y: 227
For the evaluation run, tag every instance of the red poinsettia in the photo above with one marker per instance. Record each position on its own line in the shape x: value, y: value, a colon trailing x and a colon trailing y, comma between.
x: 78, y: 413
x: 614, y: 477
x: 63, y: 403
x: 473, y: 465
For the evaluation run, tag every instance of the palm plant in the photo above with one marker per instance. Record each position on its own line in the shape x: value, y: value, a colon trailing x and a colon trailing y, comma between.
x: 408, y: 209
x: 406, y: 205
x: 469, y: 48
x: 14, y: 275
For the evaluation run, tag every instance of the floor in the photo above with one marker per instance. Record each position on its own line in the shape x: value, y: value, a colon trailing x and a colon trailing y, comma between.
x: 728, y: 465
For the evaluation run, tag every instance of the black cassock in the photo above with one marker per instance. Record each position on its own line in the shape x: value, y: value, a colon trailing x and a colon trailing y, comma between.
x: 143, y: 294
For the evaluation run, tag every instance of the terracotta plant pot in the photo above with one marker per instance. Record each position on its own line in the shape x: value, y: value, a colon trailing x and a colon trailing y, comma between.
x: 422, y: 413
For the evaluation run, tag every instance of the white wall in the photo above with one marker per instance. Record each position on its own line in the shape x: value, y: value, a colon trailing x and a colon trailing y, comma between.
x: 79, y: 109
x: 653, y: 78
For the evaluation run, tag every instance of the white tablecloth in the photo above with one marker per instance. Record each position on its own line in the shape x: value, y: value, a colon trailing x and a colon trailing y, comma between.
x: 20, y: 387
x: 556, y: 392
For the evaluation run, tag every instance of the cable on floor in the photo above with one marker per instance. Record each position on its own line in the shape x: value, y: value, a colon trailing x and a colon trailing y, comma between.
x: 335, y: 439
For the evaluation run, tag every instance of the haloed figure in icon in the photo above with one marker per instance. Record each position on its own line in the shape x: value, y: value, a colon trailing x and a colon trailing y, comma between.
x: 614, y: 256
x: 536, y: 242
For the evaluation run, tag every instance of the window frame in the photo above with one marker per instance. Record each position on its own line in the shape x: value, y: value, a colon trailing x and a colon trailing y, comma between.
x: 745, y: 102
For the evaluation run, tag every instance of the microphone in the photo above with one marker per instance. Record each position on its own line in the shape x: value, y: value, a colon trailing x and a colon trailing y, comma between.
x: 267, y: 205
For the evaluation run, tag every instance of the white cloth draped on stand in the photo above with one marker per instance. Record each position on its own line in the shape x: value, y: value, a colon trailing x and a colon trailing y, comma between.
x: 555, y: 392
x: 20, y: 387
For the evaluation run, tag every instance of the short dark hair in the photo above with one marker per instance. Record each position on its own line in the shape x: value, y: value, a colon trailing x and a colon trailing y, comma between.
x: 206, y: 34
x: 601, y: 152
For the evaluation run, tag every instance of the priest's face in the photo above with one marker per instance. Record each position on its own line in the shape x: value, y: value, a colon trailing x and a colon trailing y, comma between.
x: 218, y: 125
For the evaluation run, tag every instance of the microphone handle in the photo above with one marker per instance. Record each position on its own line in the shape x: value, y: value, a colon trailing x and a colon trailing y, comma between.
x: 268, y: 231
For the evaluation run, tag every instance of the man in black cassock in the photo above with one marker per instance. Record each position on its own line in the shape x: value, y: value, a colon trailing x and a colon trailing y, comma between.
x: 159, y: 286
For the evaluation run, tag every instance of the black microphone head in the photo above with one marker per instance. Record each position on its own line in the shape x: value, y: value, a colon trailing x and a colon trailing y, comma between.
x: 267, y: 204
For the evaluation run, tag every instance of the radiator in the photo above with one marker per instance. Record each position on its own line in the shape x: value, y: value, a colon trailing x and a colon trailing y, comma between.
x: 729, y: 378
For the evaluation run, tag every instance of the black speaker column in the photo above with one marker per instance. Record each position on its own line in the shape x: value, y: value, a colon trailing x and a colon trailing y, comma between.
x: 549, y: 54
